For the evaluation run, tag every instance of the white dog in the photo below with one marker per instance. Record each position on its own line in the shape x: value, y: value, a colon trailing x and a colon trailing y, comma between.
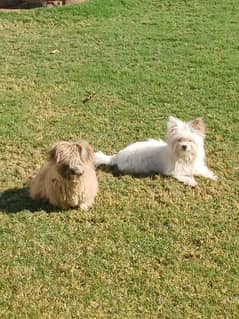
x: 182, y: 157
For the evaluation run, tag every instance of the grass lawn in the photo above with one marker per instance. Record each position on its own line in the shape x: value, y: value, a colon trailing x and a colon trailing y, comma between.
x: 111, y: 72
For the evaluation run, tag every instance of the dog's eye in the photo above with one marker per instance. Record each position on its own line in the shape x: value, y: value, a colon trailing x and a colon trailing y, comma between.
x: 180, y: 140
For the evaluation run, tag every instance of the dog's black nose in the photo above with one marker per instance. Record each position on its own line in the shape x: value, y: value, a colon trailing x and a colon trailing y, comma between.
x: 184, y: 147
x: 72, y: 171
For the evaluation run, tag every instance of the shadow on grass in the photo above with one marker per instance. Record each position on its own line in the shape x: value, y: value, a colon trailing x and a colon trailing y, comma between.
x: 8, y: 5
x: 117, y: 173
x: 17, y: 199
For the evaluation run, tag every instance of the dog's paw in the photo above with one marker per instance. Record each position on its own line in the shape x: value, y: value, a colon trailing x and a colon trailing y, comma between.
x: 186, y: 180
x: 84, y: 206
x: 214, y: 177
x: 190, y: 182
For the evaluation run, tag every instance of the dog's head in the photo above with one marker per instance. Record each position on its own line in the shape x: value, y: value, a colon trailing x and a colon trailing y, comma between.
x: 71, y: 158
x: 185, y: 138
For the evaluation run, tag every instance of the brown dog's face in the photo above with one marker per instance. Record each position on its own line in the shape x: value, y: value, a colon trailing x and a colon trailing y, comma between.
x: 71, y: 158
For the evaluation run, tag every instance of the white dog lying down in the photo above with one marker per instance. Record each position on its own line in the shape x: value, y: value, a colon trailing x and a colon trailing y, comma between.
x: 182, y: 157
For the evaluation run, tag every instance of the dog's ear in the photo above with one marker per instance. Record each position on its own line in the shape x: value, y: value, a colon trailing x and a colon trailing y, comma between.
x: 173, y: 123
x: 56, y: 151
x: 198, y: 126
x: 52, y: 152
x: 86, y: 151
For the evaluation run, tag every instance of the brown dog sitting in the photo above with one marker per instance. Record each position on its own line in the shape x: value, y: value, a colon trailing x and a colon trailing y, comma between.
x: 69, y: 179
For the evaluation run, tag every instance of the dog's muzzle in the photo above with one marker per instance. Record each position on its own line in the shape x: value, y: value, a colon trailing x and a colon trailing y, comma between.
x: 76, y: 171
x: 69, y: 172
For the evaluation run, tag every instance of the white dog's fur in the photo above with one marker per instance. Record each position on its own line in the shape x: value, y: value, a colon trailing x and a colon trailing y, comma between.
x: 182, y: 157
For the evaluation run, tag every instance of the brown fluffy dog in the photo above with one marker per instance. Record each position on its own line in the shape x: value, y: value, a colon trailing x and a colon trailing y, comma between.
x: 68, y: 180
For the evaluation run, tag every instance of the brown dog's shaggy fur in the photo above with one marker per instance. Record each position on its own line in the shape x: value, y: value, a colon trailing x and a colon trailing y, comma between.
x: 69, y: 179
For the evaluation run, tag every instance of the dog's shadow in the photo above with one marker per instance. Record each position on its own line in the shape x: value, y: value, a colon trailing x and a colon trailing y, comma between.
x: 21, y: 4
x: 115, y: 172
x: 17, y: 199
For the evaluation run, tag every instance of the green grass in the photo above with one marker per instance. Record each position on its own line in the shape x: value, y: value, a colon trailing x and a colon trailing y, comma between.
x: 150, y: 248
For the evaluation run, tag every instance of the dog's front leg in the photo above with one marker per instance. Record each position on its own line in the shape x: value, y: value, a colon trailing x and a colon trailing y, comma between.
x: 204, y: 171
x: 187, y: 180
x: 73, y: 201
x: 86, y: 203
x: 85, y: 206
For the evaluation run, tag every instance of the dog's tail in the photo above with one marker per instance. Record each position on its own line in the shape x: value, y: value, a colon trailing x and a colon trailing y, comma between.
x: 102, y: 159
